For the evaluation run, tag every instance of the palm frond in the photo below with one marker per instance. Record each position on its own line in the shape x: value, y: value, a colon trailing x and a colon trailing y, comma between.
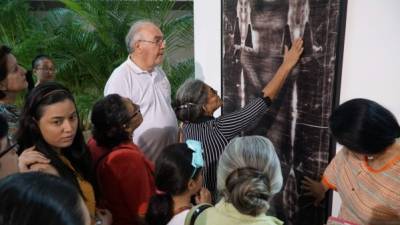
x: 86, y: 39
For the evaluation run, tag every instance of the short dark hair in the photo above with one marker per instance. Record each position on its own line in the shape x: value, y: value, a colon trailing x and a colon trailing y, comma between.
x: 3, y: 127
x: 39, y: 198
x: 364, y: 126
x: 35, y: 63
x: 4, y: 51
x: 173, y: 172
x: 38, y: 58
x: 174, y: 168
x: 109, y: 115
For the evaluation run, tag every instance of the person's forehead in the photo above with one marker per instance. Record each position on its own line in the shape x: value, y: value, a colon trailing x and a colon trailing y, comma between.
x: 46, y: 61
x: 129, y: 104
x: 59, y: 109
x: 11, y: 61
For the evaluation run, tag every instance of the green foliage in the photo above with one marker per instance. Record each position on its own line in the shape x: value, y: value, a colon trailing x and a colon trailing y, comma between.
x: 86, y: 39
x: 179, y: 73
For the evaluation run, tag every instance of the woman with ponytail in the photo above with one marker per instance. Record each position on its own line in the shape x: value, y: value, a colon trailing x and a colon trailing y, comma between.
x: 178, y: 178
x: 249, y: 174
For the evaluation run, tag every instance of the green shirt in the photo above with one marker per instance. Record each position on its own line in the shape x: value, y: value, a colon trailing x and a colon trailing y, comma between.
x: 226, y: 213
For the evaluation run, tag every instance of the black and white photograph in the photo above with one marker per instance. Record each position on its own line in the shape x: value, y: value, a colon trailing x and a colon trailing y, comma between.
x: 254, y: 36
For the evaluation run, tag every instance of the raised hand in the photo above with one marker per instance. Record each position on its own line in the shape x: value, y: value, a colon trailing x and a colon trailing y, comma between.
x: 30, y: 157
x: 291, y: 56
x: 204, y: 196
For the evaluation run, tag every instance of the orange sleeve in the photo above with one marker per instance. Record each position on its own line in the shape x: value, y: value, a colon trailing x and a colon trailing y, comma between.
x: 328, y: 184
x: 329, y: 178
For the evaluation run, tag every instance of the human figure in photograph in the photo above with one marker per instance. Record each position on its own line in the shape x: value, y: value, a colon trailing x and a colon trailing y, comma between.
x: 297, y: 123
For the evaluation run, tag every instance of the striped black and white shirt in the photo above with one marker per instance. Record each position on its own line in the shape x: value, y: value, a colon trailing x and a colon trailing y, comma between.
x: 215, y: 133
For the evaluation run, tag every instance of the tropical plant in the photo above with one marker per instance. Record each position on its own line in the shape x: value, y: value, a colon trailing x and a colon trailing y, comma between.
x: 94, y: 32
x: 86, y: 39
x: 17, y: 30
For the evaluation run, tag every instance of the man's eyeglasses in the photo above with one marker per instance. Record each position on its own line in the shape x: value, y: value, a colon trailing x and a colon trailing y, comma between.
x: 156, y: 42
x: 8, y: 149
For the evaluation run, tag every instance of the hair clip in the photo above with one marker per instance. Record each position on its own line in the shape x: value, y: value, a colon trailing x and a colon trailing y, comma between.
x: 197, y: 155
x: 186, y: 105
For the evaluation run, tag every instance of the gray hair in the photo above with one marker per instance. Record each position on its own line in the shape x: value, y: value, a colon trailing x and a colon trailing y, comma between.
x: 134, y: 34
x: 189, y: 100
x: 249, y: 173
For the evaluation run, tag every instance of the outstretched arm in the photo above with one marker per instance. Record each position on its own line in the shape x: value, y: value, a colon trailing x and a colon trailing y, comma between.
x: 291, y: 57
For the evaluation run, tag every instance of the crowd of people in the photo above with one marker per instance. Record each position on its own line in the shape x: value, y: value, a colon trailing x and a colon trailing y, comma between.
x: 140, y: 166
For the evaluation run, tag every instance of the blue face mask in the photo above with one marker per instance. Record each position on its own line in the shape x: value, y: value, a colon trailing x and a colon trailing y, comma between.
x: 197, y: 155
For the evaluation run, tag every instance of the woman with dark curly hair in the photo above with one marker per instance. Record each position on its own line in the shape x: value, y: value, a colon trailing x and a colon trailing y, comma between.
x: 124, y: 175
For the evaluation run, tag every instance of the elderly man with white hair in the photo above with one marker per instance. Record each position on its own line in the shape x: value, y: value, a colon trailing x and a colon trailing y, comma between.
x: 141, y: 79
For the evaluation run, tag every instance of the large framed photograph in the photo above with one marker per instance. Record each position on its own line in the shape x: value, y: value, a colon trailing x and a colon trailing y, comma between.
x: 253, y: 38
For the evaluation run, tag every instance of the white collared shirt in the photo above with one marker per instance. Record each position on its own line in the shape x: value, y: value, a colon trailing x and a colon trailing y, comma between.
x: 152, y: 92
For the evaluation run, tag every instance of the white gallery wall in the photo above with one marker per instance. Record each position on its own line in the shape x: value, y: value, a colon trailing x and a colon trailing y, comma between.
x: 371, y: 60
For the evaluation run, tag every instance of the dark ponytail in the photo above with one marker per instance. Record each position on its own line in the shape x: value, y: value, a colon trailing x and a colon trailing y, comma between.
x: 161, y: 209
x: 173, y: 172
x: 29, y: 79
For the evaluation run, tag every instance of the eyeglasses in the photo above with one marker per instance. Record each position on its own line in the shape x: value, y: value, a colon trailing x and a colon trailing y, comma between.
x: 133, y: 115
x: 156, y: 42
x: 11, y: 147
x: 47, y: 69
